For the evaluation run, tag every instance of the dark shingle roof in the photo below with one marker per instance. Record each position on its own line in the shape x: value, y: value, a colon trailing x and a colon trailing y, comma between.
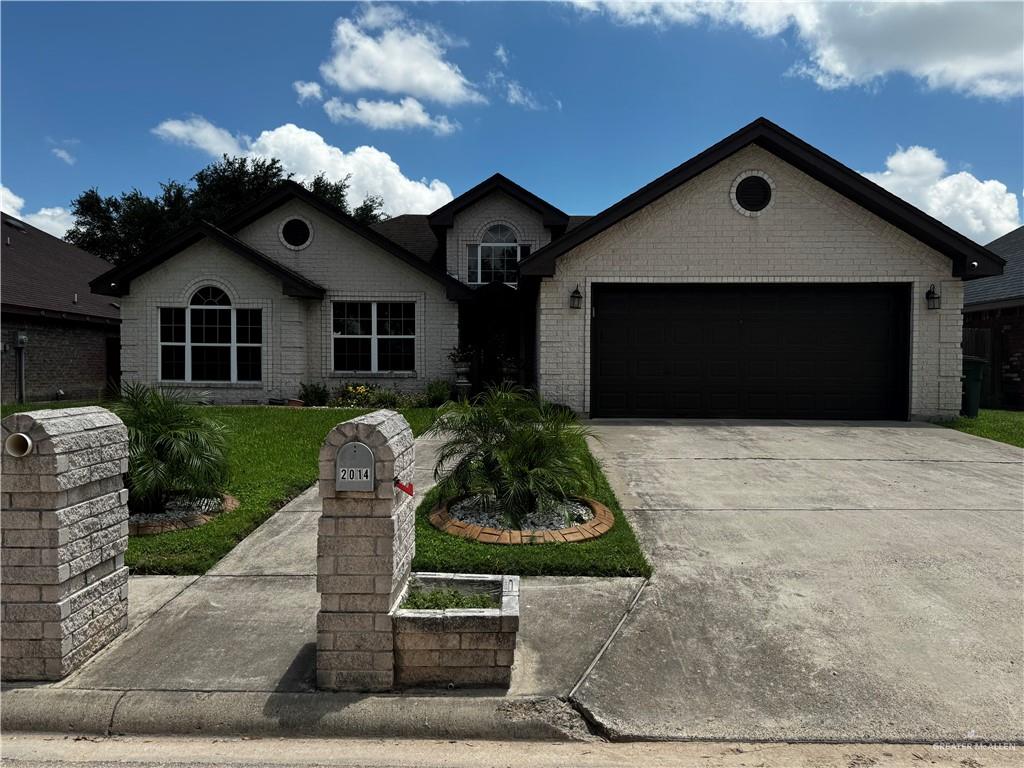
x: 1010, y: 284
x: 42, y: 272
x: 411, y: 231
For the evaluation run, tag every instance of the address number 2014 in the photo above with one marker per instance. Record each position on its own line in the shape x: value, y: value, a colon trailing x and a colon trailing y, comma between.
x: 353, y: 473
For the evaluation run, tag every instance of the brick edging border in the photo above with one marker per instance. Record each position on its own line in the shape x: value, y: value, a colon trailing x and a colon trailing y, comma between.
x: 599, y: 525
x: 152, y: 528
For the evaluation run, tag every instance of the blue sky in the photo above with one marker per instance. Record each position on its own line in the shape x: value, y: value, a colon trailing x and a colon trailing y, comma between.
x: 582, y: 104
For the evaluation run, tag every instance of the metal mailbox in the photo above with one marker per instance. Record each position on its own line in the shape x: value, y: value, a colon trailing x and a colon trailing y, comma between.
x: 354, y: 468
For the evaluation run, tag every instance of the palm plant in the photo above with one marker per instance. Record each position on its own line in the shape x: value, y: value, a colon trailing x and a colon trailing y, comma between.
x: 509, y: 447
x: 173, y: 448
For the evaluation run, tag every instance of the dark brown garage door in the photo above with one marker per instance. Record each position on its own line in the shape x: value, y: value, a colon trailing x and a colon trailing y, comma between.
x: 803, y: 351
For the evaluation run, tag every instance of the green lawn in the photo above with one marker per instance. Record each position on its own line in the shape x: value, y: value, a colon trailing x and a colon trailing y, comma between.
x: 273, y: 455
x: 1004, y: 426
x: 617, y: 553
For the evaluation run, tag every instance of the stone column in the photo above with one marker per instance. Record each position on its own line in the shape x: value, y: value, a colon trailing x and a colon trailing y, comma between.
x: 64, y: 515
x: 365, y: 548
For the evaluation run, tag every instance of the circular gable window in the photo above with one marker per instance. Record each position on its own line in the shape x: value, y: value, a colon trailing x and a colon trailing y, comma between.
x: 752, y: 193
x: 296, y: 233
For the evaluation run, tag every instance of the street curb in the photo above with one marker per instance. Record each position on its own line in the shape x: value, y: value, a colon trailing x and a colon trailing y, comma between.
x: 314, y: 714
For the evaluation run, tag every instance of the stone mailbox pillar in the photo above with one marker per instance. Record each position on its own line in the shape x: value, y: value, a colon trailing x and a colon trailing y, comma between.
x: 64, y: 520
x: 365, y: 548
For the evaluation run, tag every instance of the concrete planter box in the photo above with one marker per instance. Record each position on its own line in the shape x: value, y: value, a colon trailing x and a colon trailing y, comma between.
x: 460, y: 647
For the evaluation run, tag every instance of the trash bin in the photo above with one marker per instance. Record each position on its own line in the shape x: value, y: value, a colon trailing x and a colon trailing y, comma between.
x: 974, y: 372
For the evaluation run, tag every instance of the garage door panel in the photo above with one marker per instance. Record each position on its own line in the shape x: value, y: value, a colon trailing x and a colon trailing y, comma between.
x: 755, y: 351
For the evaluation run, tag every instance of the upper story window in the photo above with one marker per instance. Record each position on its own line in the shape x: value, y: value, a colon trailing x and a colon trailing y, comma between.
x: 209, y: 341
x: 496, y: 258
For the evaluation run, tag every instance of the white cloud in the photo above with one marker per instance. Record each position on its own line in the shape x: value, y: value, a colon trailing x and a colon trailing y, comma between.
x: 308, y: 90
x: 501, y: 54
x: 514, y: 92
x: 393, y: 115
x: 518, y: 96
x: 56, y: 220
x: 982, y: 210
x: 972, y: 48
x: 381, y: 49
x: 305, y: 153
x: 63, y: 154
x: 200, y: 133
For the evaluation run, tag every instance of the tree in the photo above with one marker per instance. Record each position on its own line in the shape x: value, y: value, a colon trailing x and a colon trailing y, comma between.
x: 121, y: 228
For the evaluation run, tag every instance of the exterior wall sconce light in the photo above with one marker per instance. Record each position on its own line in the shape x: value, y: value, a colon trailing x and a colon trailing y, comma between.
x: 933, y: 298
x: 576, y: 298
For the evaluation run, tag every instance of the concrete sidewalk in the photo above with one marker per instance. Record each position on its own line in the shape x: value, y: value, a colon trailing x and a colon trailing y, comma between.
x: 233, y: 652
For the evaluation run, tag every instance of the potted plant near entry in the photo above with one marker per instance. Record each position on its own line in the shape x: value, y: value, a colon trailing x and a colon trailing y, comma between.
x: 509, y: 368
x: 462, y: 358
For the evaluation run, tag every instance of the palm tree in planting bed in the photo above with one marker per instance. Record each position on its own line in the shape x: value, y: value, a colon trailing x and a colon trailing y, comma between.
x: 174, y: 450
x: 511, y: 448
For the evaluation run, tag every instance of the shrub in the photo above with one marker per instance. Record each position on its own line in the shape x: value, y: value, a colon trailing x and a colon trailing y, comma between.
x: 174, y: 449
x: 509, y: 446
x: 313, y: 393
x: 438, y: 393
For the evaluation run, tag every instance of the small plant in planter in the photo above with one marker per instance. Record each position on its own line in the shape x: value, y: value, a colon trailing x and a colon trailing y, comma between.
x: 175, y: 451
x: 509, y: 449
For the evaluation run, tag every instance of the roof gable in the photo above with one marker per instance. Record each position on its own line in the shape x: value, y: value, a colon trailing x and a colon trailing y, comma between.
x: 970, y: 260
x: 117, y: 281
x: 550, y: 216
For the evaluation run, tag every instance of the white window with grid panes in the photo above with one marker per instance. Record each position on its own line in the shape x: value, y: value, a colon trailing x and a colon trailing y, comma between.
x: 210, y: 342
x: 374, y: 336
x: 495, y: 259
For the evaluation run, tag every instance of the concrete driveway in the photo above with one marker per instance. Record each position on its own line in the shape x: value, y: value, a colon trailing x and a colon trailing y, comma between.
x: 817, y: 581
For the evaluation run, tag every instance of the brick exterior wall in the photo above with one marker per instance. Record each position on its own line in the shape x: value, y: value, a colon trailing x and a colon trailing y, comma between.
x: 497, y: 208
x: 297, y: 343
x: 809, y: 234
x: 61, y: 354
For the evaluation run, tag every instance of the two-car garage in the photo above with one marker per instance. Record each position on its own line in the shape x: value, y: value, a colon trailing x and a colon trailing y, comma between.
x: 797, y: 351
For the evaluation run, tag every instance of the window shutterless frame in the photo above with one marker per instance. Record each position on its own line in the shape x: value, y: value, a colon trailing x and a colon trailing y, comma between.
x: 171, y: 320
x: 375, y: 337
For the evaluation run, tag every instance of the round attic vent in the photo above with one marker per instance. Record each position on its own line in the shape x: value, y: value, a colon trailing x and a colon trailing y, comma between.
x: 296, y: 233
x: 752, y: 193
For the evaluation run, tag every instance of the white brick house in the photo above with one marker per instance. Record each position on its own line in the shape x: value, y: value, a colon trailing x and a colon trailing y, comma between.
x: 761, y: 278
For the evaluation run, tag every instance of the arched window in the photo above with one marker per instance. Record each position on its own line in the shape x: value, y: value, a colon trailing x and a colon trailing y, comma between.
x: 210, y: 295
x: 496, y: 258
x: 209, y: 341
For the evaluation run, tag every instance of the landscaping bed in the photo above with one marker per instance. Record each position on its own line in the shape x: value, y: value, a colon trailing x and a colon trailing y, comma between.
x: 616, y: 553
x: 1004, y: 426
x: 273, y: 453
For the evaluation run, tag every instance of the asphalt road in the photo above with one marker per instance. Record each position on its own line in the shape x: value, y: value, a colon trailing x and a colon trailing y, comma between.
x: 25, y: 751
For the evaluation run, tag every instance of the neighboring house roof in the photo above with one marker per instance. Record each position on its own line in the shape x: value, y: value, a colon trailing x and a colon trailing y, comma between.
x: 412, y: 231
x: 117, y: 281
x: 42, y: 274
x: 798, y: 153
x: 297, y: 285
x: 445, y: 215
x: 1007, y: 287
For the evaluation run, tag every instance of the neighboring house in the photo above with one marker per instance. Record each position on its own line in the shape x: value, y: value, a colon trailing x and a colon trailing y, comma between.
x: 759, y: 279
x: 60, y: 341
x: 994, y: 324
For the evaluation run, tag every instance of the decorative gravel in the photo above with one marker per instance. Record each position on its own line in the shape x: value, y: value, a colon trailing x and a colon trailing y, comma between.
x: 562, y: 514
x: 178, y: 513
